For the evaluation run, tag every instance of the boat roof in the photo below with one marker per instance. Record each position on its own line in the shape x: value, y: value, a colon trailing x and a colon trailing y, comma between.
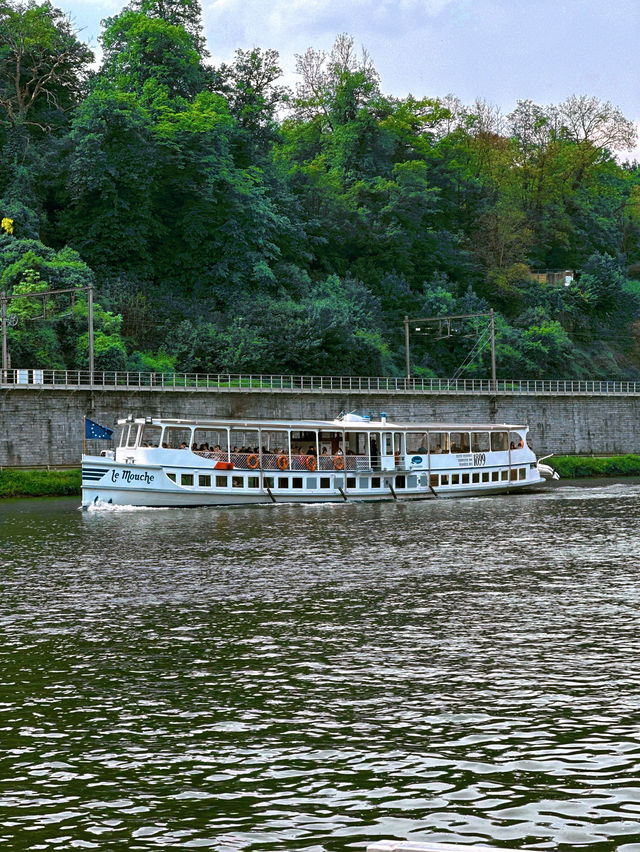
x: 338, y: 425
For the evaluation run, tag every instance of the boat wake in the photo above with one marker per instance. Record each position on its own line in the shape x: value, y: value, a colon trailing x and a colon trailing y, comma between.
x: 104, y: 506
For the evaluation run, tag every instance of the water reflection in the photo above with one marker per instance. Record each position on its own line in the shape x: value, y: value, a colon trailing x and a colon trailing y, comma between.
x: 287, y: 677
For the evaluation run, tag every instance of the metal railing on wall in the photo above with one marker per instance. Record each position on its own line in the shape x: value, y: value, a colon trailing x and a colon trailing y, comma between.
x: 125, y: 380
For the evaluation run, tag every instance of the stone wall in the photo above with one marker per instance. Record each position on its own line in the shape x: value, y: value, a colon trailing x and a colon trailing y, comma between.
x: 44, y: 427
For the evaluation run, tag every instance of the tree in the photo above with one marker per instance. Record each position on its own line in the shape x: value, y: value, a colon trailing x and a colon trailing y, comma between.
x: 141, y: 50
x: 43, y: 66
x: 335, y: 85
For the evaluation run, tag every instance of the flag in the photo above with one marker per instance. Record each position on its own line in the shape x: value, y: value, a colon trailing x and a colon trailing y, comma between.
x: 95, y: 431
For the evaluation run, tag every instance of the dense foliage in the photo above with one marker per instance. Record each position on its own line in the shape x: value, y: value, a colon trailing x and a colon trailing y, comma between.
x: 231, y: 225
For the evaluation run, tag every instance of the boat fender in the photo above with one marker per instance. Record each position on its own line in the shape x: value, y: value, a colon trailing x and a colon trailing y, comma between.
x: 282, y: 462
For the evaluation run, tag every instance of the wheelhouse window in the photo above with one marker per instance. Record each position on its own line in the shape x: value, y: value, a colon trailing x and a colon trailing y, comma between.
x: 176, y: 437
x: 151, y: 436
x: 186, y: 479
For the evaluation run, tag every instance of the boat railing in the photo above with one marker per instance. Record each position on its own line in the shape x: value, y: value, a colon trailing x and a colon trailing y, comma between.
x: 308, y: 462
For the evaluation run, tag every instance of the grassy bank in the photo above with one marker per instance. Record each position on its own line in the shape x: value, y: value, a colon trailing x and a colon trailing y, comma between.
x: 577, y: 467
x: 39, y: 483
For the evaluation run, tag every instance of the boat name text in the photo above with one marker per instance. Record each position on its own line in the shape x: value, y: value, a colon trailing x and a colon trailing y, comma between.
x: 130, y: 476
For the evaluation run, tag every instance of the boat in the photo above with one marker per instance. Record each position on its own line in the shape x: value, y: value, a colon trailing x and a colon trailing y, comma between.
x: 173, y: 462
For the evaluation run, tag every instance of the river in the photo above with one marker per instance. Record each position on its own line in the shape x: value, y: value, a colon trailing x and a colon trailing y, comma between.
x: 316, y: 677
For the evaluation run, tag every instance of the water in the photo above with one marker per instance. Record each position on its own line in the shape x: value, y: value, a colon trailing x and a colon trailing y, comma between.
x: 316, y: 678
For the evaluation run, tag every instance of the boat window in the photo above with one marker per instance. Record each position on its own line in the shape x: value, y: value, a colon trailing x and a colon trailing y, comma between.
x: 363, y: 482
x: 516, y: 442
x: 375, y: 482
x: 480, y: 442
x: 273, y: 442
x: 175, y: 436
x: 351, y: 482
x: 465, y: 478
x: 296, y: 482
x: 455, y: 479
x: 444, y: 479
x: 123, y: 435
x: 204, y: 480
x: 514, y: 474
x: 499, y: 441
x: 209, y: 440
x: 495, y: 476
x: 485, y: 475
x: 253, y: 482
x: 459, y: 442
x: 357, y: 443
x: 433, y: 480
x: 416, y: 443
x: 522, y: 473
x: 504, y: 475
x: 412, y: 482
x: 151, y: 436
x: 387, y: 444
x: 186, y: 479
x: 312, y: 482
x: 401, y: 481
x: 268, y: 481
x: 283, y: 482
x: 439, y: 442
x: 133, y: 433
x: 475, y: 477
x: 171, y: 476
x: 237, y: 481
x: 325, y: 482
x: 221, y: 481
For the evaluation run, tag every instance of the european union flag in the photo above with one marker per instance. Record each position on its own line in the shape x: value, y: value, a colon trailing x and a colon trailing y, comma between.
x: 95, y: 431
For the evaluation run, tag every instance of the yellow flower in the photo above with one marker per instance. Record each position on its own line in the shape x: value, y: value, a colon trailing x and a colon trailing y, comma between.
x: 7, y: 225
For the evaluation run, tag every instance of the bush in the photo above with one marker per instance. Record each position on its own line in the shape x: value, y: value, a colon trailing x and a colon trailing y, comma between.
x: 39, y: 483
x: 574, y: 467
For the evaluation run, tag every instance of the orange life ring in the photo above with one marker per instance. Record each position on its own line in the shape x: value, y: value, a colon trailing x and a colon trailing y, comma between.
x: 311, y: 464
x: 252, y: 461
x: 282, y: 462
x: 338, y: 463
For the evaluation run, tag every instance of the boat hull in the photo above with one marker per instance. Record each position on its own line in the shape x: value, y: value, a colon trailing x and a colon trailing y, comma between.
x: 107, y: 482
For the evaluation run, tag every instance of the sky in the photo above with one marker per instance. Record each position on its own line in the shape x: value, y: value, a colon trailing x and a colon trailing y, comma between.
x: 499, y: 50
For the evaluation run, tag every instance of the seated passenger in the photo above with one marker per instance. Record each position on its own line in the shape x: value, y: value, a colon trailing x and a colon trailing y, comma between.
x: 183, y: 445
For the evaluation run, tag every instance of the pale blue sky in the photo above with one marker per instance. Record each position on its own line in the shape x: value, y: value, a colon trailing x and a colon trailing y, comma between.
x: 499, y: 50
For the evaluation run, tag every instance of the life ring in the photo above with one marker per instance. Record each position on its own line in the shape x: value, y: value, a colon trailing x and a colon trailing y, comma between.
x: 252, y: 461
x: 338, y: 463
x: 282, y: 462
x: 310, y: 463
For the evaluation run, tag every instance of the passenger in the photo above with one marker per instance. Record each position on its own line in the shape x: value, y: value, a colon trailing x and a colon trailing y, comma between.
x: 512, y: 446
x: 217, y: 449
x: 194, y: 447
x: 422, y: 449
x: 324, y: 452
x: 183, y: 445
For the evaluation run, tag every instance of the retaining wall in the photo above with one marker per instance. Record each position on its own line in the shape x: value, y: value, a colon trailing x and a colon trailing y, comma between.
x: 44, y: 427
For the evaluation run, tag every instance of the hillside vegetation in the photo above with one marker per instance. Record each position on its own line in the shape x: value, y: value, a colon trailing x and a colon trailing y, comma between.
x: 229, y: 224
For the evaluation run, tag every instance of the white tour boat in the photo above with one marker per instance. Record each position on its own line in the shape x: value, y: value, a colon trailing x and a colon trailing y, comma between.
x: 165, y: 462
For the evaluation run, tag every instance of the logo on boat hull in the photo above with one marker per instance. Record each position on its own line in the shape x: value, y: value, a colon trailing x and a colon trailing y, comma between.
x: 129, y: 476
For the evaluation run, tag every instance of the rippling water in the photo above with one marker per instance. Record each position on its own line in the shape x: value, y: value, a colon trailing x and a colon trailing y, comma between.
x: 290, y: 677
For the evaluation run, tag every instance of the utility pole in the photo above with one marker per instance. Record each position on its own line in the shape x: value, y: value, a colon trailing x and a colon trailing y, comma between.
x: 90, y: 318
x: 406, y: 346
x: 448, y: 319
x: 492, y: 326
x: 3, y: 313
